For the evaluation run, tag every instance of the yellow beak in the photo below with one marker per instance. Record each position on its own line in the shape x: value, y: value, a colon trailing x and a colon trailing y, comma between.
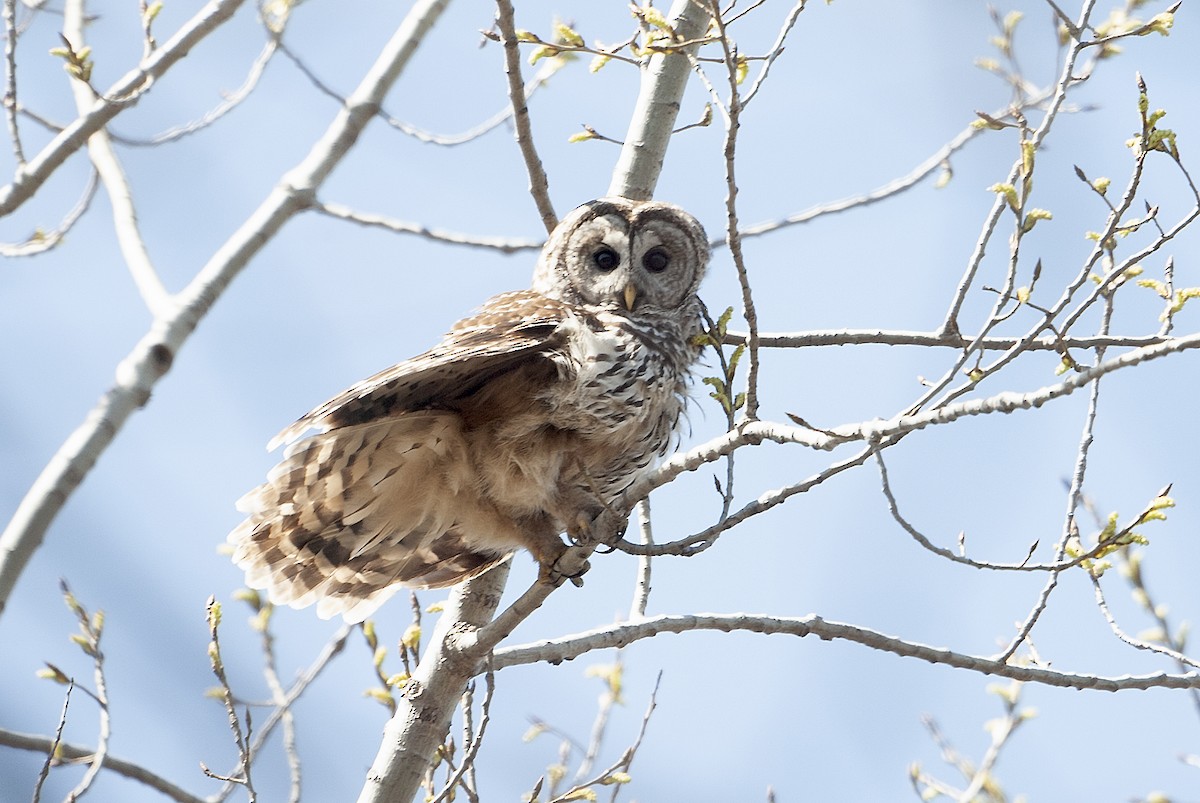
x: 630, y: 295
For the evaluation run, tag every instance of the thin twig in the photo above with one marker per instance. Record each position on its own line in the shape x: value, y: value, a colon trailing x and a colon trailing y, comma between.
x: 120, y: 196
x: 1066, y: 79
x: 600, y: 723
x: 924, y: 541
x: 1179, y: 658
x: 776, y: 49
x: 241, y: 738
x: 122, y: 767
x: 702, y: 540
x: 549, y: 68
x: 229, y: 102
x: 10, y: 80
x: 55, y: 745
x: 503, y: 244
x: 894, y: 187
x: 91, y: 629
x: 332, y: 649
x: 42, y: 241
x: 279, y: 697
x: 733, y: 112
x: 539, y: 185
x: 1074, y: 495
x: 622, y: 763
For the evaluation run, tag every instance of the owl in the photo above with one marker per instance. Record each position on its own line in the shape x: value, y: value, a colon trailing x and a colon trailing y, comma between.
x: 528, y: 419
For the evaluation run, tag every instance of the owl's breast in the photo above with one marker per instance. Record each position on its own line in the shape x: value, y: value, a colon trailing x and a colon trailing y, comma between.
x: 614, y: 388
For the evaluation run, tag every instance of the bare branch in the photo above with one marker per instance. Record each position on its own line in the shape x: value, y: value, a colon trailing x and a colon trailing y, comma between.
x: 539, y: 185
x: 894, y: 187
x: 241, y: 738
x: 127, y: 769
x: 626, y: 633
x: 228, y: 103
x: 42, y: 241
x: 886, y: 337
x: 55, y: 745
x: 280, y: 698
x: 733, y: 111
x: 1139, y: 644
x: 10, y: 79
x: 776, y: 50
x: 504, y: 245
x: 332, y: 649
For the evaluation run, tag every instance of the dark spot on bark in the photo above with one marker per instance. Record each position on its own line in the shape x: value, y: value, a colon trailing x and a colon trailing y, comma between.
x: 162, y: 357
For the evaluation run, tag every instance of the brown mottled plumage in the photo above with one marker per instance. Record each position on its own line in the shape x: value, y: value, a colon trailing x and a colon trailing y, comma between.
x: 529, y: 417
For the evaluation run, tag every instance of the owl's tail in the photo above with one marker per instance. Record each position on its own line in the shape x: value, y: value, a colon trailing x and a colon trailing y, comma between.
x: 350, y: 516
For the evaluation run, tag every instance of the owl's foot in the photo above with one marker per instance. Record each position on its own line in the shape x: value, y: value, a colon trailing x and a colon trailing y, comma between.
x: 557, y: 561
x: 604, y: 527
x: 570, y: 565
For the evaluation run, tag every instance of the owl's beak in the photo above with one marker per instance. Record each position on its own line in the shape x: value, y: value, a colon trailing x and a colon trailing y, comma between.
x: 630, y: 295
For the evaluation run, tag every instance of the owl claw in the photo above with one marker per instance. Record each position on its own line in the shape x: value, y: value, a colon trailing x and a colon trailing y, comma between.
x: 568, y: 566
x: 581, y: 531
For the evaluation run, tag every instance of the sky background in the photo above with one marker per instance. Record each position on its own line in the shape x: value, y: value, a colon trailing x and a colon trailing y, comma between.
x: 864, y: 93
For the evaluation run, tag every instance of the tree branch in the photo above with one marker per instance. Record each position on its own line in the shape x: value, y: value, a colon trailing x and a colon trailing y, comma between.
x: 422, y: 717
x: 66, y: 750
x: 502, y: 244
x: 663, y: 80
x: 623, y: 634
x: 893, y: 337
x: 539, y: 185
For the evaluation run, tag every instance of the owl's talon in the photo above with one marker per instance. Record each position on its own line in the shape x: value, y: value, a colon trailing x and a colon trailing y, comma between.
x: 568, y: 566
x: 581, y: 531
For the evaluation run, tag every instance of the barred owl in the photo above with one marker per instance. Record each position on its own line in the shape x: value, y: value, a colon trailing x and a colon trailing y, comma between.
x: 528, y: 418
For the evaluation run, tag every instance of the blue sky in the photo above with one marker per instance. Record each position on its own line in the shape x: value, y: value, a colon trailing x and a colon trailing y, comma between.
x: 863, y: 93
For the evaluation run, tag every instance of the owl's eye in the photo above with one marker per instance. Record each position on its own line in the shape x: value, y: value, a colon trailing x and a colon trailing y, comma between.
x: 656, y: 260
x: 605, y: 259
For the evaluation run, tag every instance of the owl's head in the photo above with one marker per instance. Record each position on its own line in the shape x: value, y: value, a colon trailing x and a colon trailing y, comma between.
x: 634, y: 256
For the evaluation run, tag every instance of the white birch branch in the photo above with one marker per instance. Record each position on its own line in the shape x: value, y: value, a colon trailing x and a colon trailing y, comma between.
x: 412, y: 735
x: 663, y: 81
x: 623, y: 634
x: 152, y: 357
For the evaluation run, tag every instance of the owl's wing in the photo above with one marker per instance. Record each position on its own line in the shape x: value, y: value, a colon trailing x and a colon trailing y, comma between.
x: 507, y: 330
x: 385, y: 495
